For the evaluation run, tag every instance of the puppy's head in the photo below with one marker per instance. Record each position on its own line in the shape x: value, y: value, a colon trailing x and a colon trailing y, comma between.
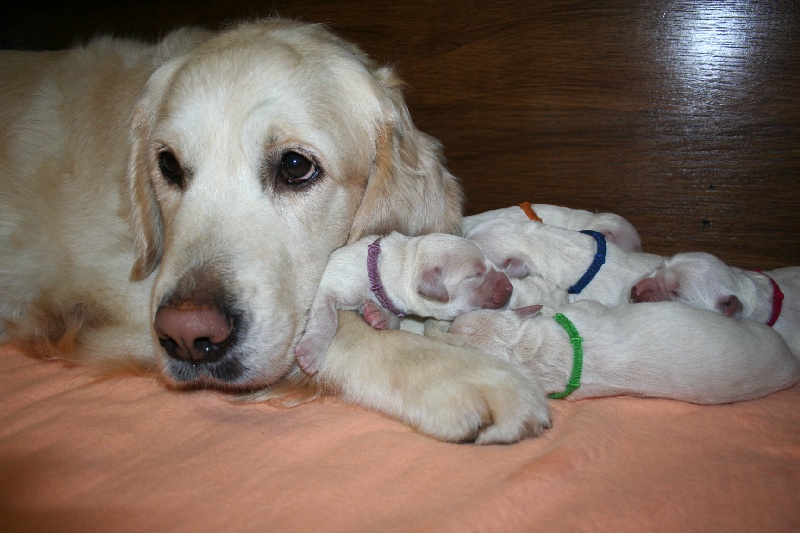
x: 695, y: 278
x: 453, y: 277
x: 504, y: 243
x: 500, y: 333
x: 253, y: 156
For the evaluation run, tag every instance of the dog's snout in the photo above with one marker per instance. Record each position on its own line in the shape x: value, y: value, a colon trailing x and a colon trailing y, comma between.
x: 191, y: 333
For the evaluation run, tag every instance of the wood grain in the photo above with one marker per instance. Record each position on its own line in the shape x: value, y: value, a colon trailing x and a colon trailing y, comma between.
x: 680, y: 115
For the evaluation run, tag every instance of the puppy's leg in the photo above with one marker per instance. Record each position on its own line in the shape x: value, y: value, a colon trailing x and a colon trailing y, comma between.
x: 377, y: 316
x: 321, y: 328
x: 451, y: 393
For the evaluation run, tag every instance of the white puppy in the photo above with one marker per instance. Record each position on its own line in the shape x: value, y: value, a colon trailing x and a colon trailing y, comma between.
x: 435, y: 275
x: 564, y: 258
x: 665, y: 350
x: 704, y: 281
x: 614, y: 227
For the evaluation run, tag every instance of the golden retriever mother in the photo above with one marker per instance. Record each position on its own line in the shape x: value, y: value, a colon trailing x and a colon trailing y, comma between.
x: 174, y: 205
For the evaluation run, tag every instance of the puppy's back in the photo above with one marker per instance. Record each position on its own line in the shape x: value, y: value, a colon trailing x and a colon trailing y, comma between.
x: 668, y: 349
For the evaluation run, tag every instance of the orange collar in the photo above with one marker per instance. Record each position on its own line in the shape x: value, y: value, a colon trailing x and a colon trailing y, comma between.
x: 526, y: 206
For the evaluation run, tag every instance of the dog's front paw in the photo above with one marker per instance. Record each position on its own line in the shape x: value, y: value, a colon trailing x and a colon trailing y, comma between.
x: 449, y: 392
x: 485, y: 400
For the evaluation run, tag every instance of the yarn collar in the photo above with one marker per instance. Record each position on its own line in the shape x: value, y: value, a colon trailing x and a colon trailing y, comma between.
x: 375, y: 284
x: 576, y: 340
x: 777, y: 300
x: 528, y: 209
x: 594, y: 268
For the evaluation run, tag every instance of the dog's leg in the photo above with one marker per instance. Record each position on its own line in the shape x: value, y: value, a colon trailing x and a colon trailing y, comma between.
x: 452, y: 393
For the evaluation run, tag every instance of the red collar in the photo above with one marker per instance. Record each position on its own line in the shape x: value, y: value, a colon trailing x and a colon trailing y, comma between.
x: 777, y: 300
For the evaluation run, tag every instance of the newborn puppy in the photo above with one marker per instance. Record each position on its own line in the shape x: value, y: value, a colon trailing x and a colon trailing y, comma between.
x: 614, y: 227
x: 436, y: 275
x: 704, y: 281
x: 562, y: 257
x: 665, y: 350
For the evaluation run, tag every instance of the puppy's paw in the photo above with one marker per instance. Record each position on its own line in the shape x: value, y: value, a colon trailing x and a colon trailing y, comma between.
x: 309, y: 353
x: 373, y: 314
x: 377, y: 316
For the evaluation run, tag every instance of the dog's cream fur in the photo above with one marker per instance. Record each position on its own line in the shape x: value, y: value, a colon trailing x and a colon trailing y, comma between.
x: 435, y: 275
x: 616, y: 229
x: 702, y: 280
x: 559, y: 256
x: 133, y: 176
x: 665, y: 349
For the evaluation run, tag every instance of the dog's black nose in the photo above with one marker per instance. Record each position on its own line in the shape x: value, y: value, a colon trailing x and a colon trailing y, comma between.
x: 197, y: 334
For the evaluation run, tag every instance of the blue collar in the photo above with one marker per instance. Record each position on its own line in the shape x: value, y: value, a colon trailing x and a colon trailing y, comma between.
x: 594, y: 268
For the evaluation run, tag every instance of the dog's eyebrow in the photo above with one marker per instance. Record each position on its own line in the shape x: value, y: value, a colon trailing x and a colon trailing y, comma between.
x: 264, y: 103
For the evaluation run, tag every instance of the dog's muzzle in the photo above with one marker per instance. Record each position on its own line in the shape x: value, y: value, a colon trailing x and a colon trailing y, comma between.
x: 199, y: 326
x: 196, y: 334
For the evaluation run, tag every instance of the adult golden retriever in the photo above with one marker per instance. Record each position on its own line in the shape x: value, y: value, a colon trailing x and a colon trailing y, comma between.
x: 175, y: 204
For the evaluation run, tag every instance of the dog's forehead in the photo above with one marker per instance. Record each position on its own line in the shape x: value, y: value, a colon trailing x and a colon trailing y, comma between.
x: 266, y: 70
x: 263, y: 89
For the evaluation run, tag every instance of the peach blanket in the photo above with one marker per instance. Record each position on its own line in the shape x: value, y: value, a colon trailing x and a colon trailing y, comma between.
x: 127, y: 454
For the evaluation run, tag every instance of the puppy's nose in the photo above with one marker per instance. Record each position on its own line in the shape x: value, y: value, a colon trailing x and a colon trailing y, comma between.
x: 502, y: 288
x: 198, y: 334
x: 640, y: 294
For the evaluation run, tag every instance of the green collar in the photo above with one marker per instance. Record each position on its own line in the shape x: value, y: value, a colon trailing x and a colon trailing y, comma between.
x: 577, y: 357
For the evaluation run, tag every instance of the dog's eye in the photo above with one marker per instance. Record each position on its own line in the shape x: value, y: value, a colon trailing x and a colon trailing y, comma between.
x: 171, y: 169
x: 297, y: 169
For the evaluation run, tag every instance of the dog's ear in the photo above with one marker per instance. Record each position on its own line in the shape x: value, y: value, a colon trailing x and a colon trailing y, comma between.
x: 432, y: 287
x: 144, y: 212
x: 409, y: 189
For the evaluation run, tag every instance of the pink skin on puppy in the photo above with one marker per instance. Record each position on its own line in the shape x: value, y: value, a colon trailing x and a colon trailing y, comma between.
x: 704, y: 281
x: 436, y: 275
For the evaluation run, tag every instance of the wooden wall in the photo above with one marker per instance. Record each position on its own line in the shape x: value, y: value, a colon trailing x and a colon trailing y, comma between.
x: 681, y: 115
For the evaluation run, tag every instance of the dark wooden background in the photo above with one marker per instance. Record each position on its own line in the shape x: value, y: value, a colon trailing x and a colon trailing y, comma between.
x: 681, y: 115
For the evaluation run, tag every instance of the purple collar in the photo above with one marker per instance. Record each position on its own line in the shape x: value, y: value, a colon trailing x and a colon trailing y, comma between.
x: 375, y: 284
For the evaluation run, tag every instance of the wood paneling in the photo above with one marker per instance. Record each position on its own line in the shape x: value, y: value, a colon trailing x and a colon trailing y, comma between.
x: 681, y: 115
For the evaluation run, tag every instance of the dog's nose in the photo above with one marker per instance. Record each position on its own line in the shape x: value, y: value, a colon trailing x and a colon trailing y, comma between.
x: 198, y: 334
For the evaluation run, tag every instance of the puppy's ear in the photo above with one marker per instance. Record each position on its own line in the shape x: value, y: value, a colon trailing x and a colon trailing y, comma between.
x: 516, y: 268
x: 731, y: 306
x: 528, y: 311
x: 432, y: 287
x: 144, y: 213
x: 409, y: 189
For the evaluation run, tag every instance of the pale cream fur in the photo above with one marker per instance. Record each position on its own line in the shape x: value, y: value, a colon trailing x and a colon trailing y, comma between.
x: 616, y: 228
x: 94, y: 238
x: 665, y: 349
x: 559, y: 257
x: 704, y: 281
x: 435, y: 275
